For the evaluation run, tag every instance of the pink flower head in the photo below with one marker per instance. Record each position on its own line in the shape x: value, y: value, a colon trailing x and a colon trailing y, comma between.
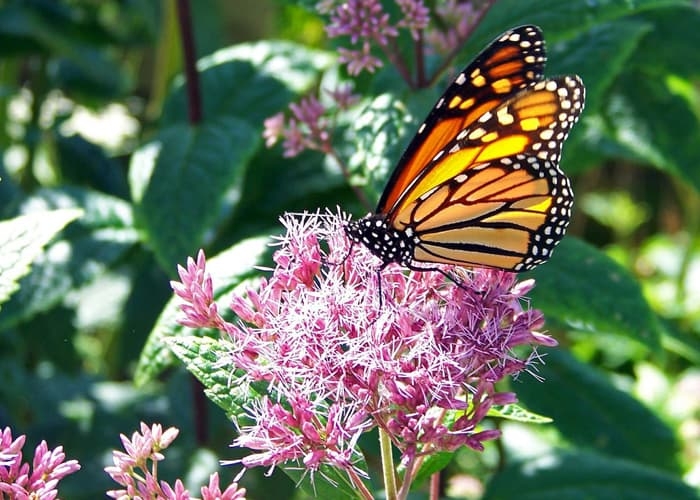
x: 343, y: 96
x: 416, y: 16
x: 366, y: 23
x: 359, y: 60
x: 273, y: 129
x: 19, y: 480
x: 458, y: 20
x: 136, y: 470
x: 213, y: 492
x: 361, y: 20
x: 131, y: 469
x: 345, y: 347
x: 308, y: 128
x: 197, y: 290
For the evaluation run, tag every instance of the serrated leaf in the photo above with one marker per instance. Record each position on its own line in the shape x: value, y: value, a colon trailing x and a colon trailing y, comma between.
x: 87, y: 248
x: 251, y: 81
x: 583, y: 288
x: 591, y: 413
x: 22, y: 239
x: 379, y: 133
x: 518, y: 414
x: 228, y: 269
x: 186, y: 180
x: 564, y: 476
x: 203, y: 357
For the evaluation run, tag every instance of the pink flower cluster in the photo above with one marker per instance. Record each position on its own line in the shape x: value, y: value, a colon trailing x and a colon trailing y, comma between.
x: 344, y: 347
x: 364, y: 22
x: 460, y: 18
x: 371, y: 32
x: 131, y: 470
x: 368, y: 25
x: 40, y: 480
x: 310, y: 125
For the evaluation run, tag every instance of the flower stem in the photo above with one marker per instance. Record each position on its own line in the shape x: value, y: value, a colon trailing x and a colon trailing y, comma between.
x: 435, y: 486
x: 387, y: 465
x: 357, y: 483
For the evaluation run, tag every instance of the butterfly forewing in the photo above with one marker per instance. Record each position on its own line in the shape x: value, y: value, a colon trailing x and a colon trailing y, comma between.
x: 512, y: 62
x: 534, y: 122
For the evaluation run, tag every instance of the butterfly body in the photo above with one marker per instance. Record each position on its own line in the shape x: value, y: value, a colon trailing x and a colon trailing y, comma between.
x: 479, y: 185
x: 388, y: 244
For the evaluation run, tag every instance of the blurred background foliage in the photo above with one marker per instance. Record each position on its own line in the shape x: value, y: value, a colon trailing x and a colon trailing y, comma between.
x: 94, y: 129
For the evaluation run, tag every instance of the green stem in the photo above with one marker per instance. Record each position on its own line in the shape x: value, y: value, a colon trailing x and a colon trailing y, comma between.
x: 387, y: 465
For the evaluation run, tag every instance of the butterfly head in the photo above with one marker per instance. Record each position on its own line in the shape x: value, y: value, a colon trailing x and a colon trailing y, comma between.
x: 374, y: 232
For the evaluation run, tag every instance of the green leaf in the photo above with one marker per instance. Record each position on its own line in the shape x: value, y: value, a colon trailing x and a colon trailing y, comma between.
x: 586, y: 290
x: 613, y: 42
x: 203, y: 357
x: 60, y: 32
x: 327, y: 482
x: 517, y: 413
x: 433, y: 463
x: 228, y: 270
x: 86, y: 164
x: 591, y: 413
x: 654, y: 125
x: 560, y: 19
x: 670, y: 48
x: 644, y: 116
x: 564, y: 475
x: 379, y: 135
x: 86, y: 249
x: 303, y: 183
x: 251, y: 81
x: 23, y: 239
x: 186, y: 180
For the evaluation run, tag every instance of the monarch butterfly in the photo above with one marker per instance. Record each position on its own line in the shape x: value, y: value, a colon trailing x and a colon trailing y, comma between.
x: 479, y: 184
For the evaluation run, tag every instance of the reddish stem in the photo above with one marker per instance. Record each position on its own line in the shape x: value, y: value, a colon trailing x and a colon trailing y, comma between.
x: 194, y: 97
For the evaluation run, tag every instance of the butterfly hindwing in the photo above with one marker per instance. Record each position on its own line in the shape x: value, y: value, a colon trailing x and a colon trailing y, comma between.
x: 507, y: 214
x: 512, y: 61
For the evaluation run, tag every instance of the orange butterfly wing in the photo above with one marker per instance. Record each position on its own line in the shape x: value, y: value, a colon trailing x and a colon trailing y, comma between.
x: 494, y: 196
x: 510, y: 63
